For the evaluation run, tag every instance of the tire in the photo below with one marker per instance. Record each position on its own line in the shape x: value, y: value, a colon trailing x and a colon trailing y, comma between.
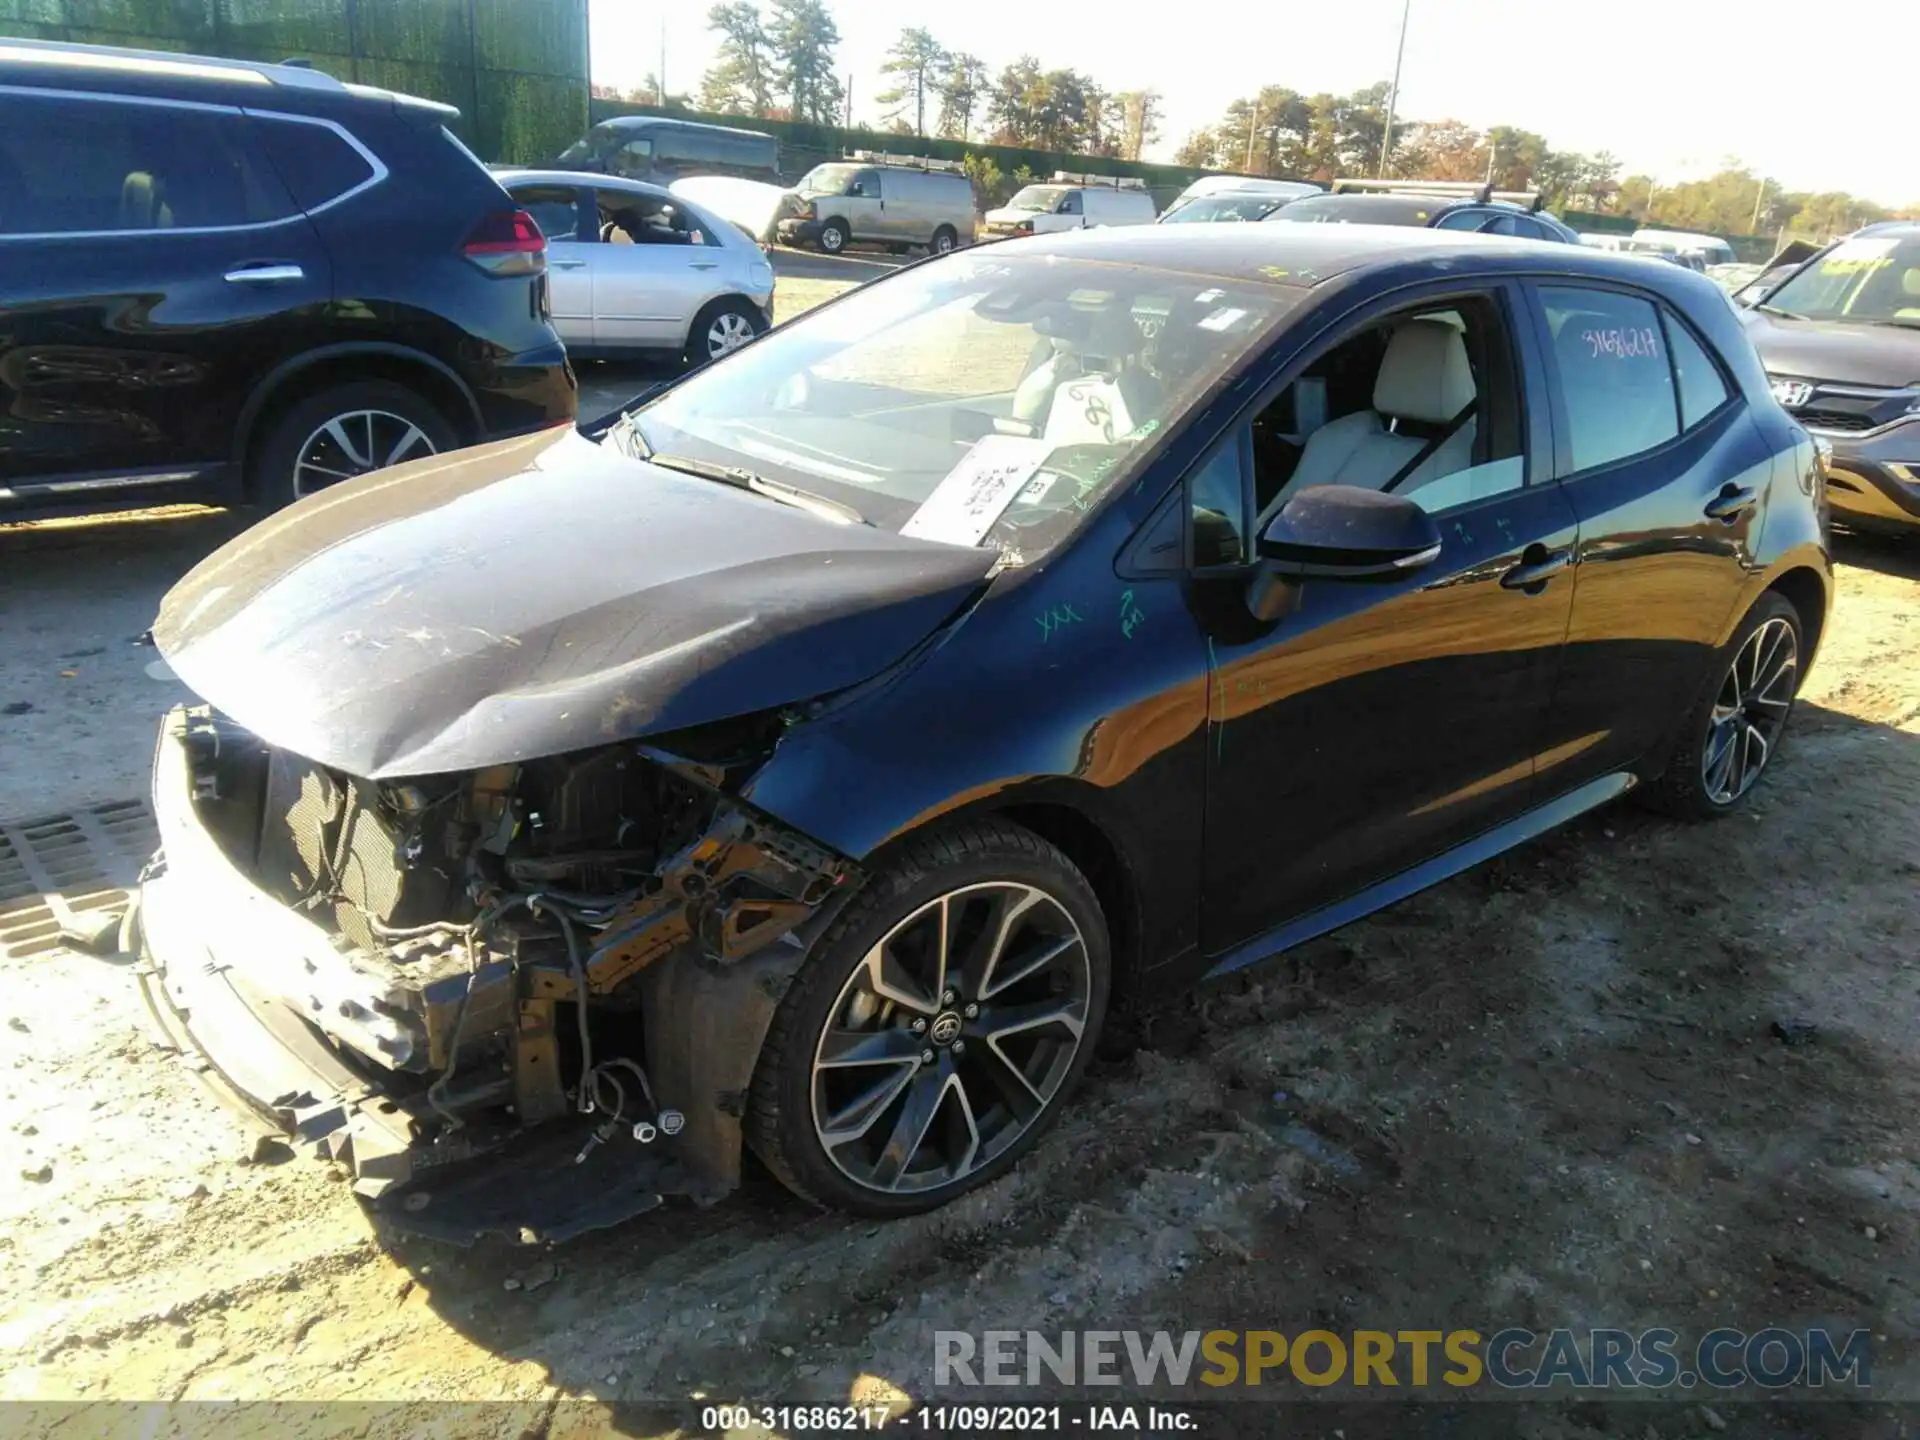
x: 985, y: 877
x: 1713, y: 768
x: 299, y: 456
x: 721, y: 328
x: 944, y: 239
x: 834, y: 236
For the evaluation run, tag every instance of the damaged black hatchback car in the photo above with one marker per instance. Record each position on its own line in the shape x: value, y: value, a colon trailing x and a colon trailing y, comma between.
x: 808, y: 759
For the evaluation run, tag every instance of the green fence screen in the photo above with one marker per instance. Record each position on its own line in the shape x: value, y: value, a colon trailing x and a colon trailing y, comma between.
x: 516, y: 68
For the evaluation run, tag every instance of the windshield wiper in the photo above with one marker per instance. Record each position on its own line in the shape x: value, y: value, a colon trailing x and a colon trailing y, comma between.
x: 1897, y: 321
x: 743, y: 479
x: 1765, y: 309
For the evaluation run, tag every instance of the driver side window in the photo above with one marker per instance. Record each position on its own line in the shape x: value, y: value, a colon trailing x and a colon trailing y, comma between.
x: 1069, y: 203
x: 1424, y: 402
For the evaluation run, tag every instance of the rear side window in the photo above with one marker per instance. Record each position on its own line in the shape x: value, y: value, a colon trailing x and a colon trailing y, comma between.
x: 70, y: 166
x: 1703, y: 389
x: 316, y: 161
x: 555, y: 209
x: 1615, y: 376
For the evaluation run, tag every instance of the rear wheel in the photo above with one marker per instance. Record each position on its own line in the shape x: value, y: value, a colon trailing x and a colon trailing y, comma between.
x: 944, y: 239
x: 834, y: 236
x: 722, y: 328
x: 342, y: 432
x: 938, y: 1028
x: 1735, y: 730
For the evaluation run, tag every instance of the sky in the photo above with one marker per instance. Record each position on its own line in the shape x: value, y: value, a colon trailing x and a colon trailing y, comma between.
x: 1819, y: 100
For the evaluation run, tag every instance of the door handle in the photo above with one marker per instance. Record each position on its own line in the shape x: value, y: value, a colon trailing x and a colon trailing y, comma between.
x: 1731, y: 503
x: 264, y: 274
x: 566, y: 264
x: 706, y: 264
x: 1537, y: 566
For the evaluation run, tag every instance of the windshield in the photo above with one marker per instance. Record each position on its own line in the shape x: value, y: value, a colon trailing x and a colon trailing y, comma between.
x: 827, y: 179
x: 976, y: 399
x: 1869, y: 280
x: 1038, y: 198
x: 596, y: 142
x: 1226, y: 207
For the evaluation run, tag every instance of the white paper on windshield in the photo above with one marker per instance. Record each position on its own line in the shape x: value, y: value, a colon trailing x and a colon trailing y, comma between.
x: 977, y: 491
x: 1090, y: 411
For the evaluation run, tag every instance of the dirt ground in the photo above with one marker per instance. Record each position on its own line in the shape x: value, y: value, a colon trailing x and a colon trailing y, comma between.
x: 1547, y: 1093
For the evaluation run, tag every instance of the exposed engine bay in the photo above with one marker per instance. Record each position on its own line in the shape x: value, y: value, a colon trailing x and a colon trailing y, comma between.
x: 520, y: 945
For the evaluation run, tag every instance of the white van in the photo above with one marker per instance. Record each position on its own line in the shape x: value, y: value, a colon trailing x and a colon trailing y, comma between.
x: 1071, y: 202
x: 889, y: 200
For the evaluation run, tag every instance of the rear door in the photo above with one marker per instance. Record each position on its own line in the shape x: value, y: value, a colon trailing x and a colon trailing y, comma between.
x: 567, y: 217
x: 1667, y: 473
x: 155, y: 266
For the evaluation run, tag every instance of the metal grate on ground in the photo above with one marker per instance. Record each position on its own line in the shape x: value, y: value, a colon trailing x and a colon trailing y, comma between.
x: 61, y: 866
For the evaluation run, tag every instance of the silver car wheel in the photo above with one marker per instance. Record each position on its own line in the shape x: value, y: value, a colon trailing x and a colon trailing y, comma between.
x: 1750, y: 711
x: 728, y: 332
x: 355, y: 443
x: 951, y: 1038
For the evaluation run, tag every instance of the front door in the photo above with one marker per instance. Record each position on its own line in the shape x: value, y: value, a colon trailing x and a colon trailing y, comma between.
x: 651, y: 272
x: 1668, y: 473
x: 156, y: 267
x: 1385, y: 722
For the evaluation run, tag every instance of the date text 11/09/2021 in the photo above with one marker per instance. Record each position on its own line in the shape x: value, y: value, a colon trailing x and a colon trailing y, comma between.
x: 945, y: 1419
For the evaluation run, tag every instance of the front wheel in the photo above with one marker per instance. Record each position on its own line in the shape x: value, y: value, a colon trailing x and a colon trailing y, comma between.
x: 834, y: 236
x: 1735, y: 730
x: 722, y: 328
x: 938, y: 1028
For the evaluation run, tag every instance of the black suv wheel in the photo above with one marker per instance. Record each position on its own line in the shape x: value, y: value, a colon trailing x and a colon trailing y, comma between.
x: 344, y: 431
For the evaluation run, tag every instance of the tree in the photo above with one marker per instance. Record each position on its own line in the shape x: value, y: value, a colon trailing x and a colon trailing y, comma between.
x: 1014, y: 102
x: 1139, y: 121
x: 962, y: 87
x: 651, y: 92
x: 1200, y: 150
x: 802, y: 36
x: 917, y: 59
x: 741, y: 80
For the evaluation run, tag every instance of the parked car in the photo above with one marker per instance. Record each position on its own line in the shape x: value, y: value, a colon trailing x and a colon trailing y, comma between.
x: 1711, y: 249
x: 815, y: 758
x: 1222, y: 205
x: 660, y: 150
x: 636, y: 268
x: 1840, y: 339
x: 222, y: 281
x: 891, y: 200
x: 1244, y: 185
x: 1070, y: 202
x: 1438, y: 205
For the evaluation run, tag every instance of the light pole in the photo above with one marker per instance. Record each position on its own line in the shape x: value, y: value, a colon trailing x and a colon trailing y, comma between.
x: 1252, y: 121
x: 1393, y: 94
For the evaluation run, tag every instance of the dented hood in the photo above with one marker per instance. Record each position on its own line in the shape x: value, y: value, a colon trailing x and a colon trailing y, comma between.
x: 540, y: 595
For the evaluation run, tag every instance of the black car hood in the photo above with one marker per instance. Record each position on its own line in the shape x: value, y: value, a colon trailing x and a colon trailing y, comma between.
x: 535, y: 596
x: 1851, y: 354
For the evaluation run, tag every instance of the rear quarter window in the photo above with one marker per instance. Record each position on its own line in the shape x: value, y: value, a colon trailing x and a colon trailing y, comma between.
x: 318, y: 164
x: 1616, y: 377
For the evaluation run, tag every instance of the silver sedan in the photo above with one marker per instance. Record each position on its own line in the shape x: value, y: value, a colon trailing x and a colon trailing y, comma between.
x: 634, y: 269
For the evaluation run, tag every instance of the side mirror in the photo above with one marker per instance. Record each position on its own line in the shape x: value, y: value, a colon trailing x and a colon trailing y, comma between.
x: 1339, y: 532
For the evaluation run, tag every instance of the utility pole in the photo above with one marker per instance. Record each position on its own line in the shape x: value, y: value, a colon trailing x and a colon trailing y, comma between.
x: 1393, y: 94
x: 1252, y: 121
x: 849, y: 124
x: 1753, y: 226
x: 662, y: 96
x: 1493, y: 154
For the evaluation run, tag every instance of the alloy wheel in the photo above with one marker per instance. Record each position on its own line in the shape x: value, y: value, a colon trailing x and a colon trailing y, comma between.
x: 355, y: 443
x: 1750, y: 711
x: 728, y: 332
x: 951, y: 1037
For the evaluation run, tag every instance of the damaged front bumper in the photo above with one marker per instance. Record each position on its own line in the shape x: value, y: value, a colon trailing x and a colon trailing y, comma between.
x: 428, y: 1066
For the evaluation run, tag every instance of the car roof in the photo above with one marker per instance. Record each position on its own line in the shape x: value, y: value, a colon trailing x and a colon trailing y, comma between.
x: 639, y: 122
x: 202, y: 77
x: 516, y: 175
x: 1309, y: 255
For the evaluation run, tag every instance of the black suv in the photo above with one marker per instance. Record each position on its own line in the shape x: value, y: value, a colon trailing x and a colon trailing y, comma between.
x: 1434, y: 204
x: 222, y: 281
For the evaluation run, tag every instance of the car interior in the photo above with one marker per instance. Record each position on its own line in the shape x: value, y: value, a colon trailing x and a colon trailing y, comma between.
x: 1424, y: 403
x: 646, y: 220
